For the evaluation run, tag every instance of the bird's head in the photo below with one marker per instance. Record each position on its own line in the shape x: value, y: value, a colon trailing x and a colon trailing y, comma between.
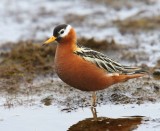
x: 62, y: 33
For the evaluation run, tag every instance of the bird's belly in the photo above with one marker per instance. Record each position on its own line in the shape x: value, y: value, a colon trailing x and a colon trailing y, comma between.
x: 82, y: 75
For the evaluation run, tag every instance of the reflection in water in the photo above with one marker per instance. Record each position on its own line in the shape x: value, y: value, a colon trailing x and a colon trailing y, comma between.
x: 94, y: 112
x: 106, y: 124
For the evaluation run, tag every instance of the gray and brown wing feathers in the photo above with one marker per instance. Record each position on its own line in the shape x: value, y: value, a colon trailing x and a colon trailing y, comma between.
x: 105, y: 63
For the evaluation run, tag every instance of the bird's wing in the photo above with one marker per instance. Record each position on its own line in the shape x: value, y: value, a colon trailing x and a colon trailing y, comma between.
x: 105, y: 63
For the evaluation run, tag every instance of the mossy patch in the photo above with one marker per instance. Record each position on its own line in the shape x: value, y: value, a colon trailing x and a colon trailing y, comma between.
x: 99, y: 45
x: 25, y: 60
x: 139, y: 23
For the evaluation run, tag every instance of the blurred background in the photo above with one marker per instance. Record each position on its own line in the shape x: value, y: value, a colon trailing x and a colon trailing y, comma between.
x: 125, y: 30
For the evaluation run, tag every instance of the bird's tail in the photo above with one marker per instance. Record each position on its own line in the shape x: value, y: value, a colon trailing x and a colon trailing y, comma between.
x: 130, y: 73
x: 134, y: 70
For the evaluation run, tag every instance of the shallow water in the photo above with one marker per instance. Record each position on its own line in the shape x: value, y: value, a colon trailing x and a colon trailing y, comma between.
x: 40, y: 118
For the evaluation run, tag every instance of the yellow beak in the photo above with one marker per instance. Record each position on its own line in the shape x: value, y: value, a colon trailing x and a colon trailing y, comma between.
x: 52, y: 39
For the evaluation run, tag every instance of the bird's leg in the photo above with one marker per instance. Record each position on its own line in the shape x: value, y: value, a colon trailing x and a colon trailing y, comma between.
x: 93, y: 105
x: 94, y: 99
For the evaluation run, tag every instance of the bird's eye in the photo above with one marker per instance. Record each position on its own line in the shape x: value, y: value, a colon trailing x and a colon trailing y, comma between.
x: 61, y: 32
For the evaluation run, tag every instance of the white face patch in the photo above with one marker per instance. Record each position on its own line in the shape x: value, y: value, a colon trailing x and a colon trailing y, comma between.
x: 66, y: 31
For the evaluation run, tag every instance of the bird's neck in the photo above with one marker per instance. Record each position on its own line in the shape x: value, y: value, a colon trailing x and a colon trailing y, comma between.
x: 68, y: 46
x: 64, y: 52
x: 69, y: 42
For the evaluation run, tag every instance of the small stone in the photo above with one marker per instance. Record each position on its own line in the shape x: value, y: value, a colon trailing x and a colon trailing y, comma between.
x: 156, y: 73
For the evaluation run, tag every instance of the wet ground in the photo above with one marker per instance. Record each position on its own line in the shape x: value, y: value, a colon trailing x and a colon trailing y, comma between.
x: 33, y: 98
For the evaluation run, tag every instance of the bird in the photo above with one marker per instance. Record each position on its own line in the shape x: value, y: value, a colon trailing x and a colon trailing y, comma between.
x: 86, y: 69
